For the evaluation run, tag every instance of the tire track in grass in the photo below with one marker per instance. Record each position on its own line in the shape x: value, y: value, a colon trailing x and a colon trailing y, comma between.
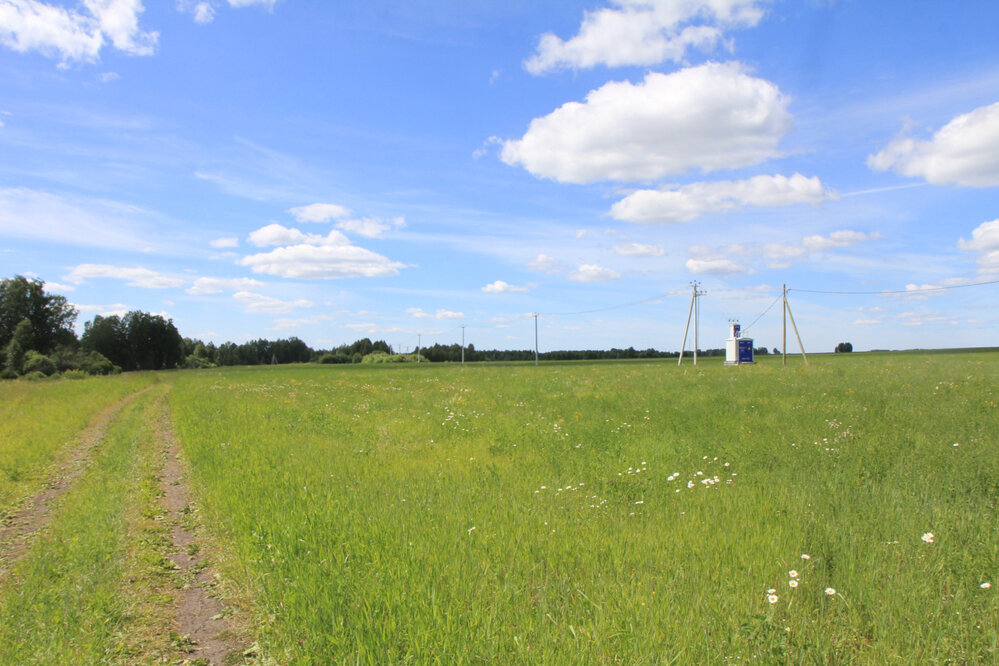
x: 15, y: 536
x: 203, y: 628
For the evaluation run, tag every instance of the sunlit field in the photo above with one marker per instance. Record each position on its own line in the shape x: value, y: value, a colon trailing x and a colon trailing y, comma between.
x: 638, y: 512
x: 42, y: 420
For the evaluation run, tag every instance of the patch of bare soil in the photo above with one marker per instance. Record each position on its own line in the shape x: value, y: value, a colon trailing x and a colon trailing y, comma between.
x: 203, y: 629
x: 36, y: 514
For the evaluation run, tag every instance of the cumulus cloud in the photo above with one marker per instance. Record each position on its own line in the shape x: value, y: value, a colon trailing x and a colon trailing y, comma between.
x: 321, y: 262
x: 371, y: 227
x: 639, y: 250
x: 114, y: 310
x: 714, y: 116
x: 984, y: 238
x: 134, y: 277
x: 965, y: 151
x: 313, y: 256
x: 739, y: 257
x: 218, y: 285
x: 319, y: 212
x: 682, y: 204
x: 440, y: 314
x: 75, y: 34
x: 545, y: 264
x: 714, y: 266
x: 258, y: 303
x: 276, y: 234
x: 643, y: 32
x: 837, y: 239
x: 501, y: 287
x: 222, y: 243
x: 593, y: 273
x: 267, y: 4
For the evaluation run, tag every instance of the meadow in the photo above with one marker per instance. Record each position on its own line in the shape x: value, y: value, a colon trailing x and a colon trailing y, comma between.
x: 605, y: 512
x: 843, y: 512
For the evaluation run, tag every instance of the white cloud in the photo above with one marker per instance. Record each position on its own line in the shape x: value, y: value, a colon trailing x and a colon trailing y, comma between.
x: 739, y: 258
x: 115, y: 310
x: 440, y: 314
x: 984, y: 238
x: 714, y: 266
x: 55, y: 287
x: 34, y: 214
x: 267, y: 4
x: 371, y: 227
x: 218, y: 285
x: 323, y: 262
x: 965, y: 151
x: 134, y: 277
x: 220, y: 243
x: 593, y: 273
x: 643, y: 32
x: 203, y: 13
x: 108, y: 77
x: 837, y: 239
x: 275, y: 234
x: 714, y: 116
x: 501, y: 287
x: 545, y: 264
x: 639, y: 250
x: 675, y: 204
x: 319, y: 212
x: 258, y: 303
x: 78, y: 34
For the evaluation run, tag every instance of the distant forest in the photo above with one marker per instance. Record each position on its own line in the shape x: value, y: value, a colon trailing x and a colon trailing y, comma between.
x: 37, y: 339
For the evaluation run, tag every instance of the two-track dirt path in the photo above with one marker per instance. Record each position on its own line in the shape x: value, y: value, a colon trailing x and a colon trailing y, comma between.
x: 15, y: 536
x: 199, y: 619
x: 200, y: 616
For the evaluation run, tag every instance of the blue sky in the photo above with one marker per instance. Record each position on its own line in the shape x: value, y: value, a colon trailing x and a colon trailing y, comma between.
x: 336, y: 170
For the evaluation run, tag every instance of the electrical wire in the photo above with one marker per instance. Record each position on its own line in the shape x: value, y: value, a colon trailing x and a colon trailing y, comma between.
x: 769, y: 308
x: 644, y: 301
x: 898, y: 291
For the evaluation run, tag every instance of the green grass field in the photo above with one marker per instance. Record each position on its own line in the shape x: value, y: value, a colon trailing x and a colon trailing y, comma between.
x: 632, y: 512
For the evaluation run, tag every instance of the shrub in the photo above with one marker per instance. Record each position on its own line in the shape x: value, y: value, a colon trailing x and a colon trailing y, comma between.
x: 74, y: 373
x: 34, y: 376
x: 37, y: 362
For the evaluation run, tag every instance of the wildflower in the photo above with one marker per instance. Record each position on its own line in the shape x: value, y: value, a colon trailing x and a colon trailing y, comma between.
x: 830, y: 591
x: 806, y: 556
x: 771, y: 591
x: 792, y: 573
x: 471, y: 528
x: 772, y: 598
x: 928, y: 537
x: 986, y: 585
x: 792, y: 583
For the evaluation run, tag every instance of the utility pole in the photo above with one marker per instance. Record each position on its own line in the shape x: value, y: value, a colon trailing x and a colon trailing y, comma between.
x: 783, y: 330
x: 695, y: 312
x: 463, y: 345
x: 535, y: 339
x: 788, y: 313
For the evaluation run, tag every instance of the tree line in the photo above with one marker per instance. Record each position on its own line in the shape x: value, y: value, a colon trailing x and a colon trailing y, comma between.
x: 37, y: 339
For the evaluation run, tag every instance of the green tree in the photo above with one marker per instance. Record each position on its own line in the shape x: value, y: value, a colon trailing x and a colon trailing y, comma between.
x: 21, y: 342
x: 51, y: 316
x: 107, y: 336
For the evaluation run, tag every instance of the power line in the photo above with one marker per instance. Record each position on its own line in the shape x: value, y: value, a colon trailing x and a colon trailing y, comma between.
x: 897, y: 291
x: 644, y: 301
x: 776, y: 300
